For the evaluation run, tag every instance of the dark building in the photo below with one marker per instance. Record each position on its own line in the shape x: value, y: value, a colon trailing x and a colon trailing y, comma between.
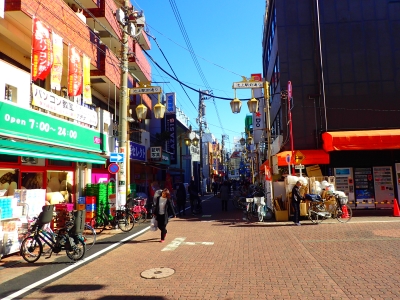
x: 343, y: 60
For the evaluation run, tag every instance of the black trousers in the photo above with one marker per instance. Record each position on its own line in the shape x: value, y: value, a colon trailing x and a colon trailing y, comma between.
x: 296, y: 207
x: 224, y: 205
x: 181, y: 207
x: 161, y: 225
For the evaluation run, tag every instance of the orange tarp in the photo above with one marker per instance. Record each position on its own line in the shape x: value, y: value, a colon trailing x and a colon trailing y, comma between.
x: 311, y: 157
x: 361, y: 140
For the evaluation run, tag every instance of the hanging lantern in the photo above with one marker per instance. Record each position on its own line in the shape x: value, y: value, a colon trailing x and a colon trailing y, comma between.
x: 159, y: 109
x: 236, y: 105
x: 195, y: 141
x: 252, y: 103
x: 141, y: 110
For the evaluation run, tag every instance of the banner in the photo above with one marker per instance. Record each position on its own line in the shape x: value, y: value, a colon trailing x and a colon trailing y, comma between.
x: 170, y: 126
x: 42, y: 52
x: 56, y: 70
x: 74, y: 72
x: 87, y: 92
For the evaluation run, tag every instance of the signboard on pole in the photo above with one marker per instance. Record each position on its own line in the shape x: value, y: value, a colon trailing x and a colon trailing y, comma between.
x: 117, y: 157
x: 113, y: 168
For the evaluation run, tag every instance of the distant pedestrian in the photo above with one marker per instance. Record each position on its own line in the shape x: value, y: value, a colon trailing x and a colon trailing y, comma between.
x: 215, y: 188
x: 193, y: 196
x: 162, y: 211
x: 225, y: 195
x: 181, y: 198
x: 296, y: 198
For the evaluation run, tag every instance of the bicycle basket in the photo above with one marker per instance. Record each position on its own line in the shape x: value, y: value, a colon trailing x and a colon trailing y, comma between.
x: 343, y: 200
x: 259, y: 200
x: 249, y: 200
x: 137, y: 209
x: 46, y: 215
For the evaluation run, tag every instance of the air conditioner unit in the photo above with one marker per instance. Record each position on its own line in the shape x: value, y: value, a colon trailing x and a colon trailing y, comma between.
x: 120, y: 16
x: 131, y: 29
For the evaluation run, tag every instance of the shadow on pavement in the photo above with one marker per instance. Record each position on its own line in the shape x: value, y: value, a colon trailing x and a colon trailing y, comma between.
x: 130, y: 297
x: 72, y: 288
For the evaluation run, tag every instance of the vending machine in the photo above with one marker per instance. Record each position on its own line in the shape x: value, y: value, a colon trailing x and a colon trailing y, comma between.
x: 364, y: 188
x: 384, y: 188
x: 345, y: 183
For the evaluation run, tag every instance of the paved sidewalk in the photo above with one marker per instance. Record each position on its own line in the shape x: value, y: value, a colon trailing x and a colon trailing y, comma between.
x: 219, y: 256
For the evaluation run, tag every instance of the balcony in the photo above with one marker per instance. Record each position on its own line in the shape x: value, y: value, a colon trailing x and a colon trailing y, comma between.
x: 138, y: 64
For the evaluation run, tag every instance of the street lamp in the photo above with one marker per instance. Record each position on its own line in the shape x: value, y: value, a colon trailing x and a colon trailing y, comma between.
x: 252, y: 104
x: 141, y: 110
x: 159, y: 109
x: 185, y: 136
x: 236, y: 105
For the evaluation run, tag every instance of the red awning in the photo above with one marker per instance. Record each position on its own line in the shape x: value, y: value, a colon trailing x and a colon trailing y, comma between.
x: 311, y: 157
x: 361, y: 140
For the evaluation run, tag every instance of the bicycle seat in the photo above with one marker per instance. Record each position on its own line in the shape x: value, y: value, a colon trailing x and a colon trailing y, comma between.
x: 313, y: 197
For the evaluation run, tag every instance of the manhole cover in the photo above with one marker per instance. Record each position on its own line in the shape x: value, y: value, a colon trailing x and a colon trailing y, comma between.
x: 157, y: 273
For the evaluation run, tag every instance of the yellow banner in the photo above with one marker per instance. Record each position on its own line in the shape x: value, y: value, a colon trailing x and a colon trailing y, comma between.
x: 87, y: 92
x: 56, y: 70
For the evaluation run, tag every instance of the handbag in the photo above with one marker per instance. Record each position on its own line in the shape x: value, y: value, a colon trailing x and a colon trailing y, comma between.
x: 153, y: 224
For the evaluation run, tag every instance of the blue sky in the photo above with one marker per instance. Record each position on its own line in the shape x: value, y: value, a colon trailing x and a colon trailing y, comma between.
x: 226, y: 39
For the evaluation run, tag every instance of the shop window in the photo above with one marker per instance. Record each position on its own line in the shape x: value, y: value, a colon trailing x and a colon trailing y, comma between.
x: 9, y: 159
x: 53, y: 162
x: 59, y: 186
x: 8, y: 181
x: 32, y: 161
x: 31, y: 180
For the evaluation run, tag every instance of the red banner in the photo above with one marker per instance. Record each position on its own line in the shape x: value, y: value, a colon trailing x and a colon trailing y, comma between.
x: 74, y: 72
x: 42, y: 51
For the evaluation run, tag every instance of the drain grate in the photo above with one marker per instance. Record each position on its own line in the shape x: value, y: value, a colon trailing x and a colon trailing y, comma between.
x: 157, y: 273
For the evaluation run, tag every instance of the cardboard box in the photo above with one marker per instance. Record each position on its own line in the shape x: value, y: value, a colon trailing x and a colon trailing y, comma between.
x: 303, y: 209
x: 281, y: 215
x: 314, y: 171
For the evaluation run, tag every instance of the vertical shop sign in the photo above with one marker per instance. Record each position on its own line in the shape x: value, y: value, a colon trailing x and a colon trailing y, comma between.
x: 42, y: 51
x: 87, y: 92
x: 170, y: 102
x: 56, y: 70
x: 74, y: 72
x: 171, y: 142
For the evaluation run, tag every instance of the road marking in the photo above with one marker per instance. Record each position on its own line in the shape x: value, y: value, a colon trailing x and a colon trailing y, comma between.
x: 181, y: 241
x: 71, y: 267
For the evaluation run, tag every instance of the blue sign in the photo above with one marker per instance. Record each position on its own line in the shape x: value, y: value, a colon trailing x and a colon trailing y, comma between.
x: 113, y: 168
x: 117, y: 157
x: 137, y: 151
x: 288, y: 158
x: 170, y: 102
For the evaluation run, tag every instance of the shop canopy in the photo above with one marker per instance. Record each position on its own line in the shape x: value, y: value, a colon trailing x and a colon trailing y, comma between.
x: 9, y: 147
x: 311, y: 157
x: 361, y: 140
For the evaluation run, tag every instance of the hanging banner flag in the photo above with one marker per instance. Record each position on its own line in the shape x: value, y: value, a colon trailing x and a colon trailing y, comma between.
x: 56, y: 70
x: 74, y: 72
x: 42, y: 52
x: 87, y: 92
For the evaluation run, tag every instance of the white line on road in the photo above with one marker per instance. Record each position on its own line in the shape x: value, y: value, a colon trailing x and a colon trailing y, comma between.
x: 181, y: 241
x: 75, y: 265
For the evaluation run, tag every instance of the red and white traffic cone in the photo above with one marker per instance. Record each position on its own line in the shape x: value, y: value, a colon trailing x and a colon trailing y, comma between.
x: 345, y: 212
x: 396, y: 211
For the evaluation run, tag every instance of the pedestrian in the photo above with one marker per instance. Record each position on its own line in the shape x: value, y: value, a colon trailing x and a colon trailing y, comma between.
x: 162, y: 211
x: 193, y: 195
x: 181, y: 198
x: 214, y: 188
x: 296, y: 198
x: 225, y: 195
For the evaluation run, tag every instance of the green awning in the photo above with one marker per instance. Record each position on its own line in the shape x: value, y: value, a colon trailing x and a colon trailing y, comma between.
x: 47, y: 151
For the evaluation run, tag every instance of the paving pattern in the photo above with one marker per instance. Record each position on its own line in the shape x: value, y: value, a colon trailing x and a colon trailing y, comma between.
x: 219, y: 256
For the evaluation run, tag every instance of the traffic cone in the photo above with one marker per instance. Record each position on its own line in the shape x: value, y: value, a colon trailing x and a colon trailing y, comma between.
x: 396, y: 211
x: 345, y: 212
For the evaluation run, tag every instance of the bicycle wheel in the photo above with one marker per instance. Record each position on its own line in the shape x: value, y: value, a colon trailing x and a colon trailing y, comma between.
x: 125, y: 221
x: 78, y: 250
x: 235, y: 202
x: 31, y: 249
x: 143, y: 215
x: 99, y: 224
x: 89, y: 235
x: 341, y: 214
x: 313, y: 214
x: 268, y: 213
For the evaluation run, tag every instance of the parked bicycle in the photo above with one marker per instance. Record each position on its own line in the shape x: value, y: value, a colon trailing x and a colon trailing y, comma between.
x: 139, y: 210
x: 68, y: 238
x: 123, y: 219
x: 334, y: 207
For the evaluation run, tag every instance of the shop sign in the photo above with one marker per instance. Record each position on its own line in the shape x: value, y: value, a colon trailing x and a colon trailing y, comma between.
x: 29, y: 124
x: 171, y: 102
x: 61, y: 106
x: 195, y: 152
x: 155, y: 153
x: 248, y: 85
x: 137, y: 151
x: 170, y: 121
x: 165, y: 158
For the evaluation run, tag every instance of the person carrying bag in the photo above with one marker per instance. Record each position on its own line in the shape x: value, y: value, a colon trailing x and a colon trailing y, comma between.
x: 162, y: 210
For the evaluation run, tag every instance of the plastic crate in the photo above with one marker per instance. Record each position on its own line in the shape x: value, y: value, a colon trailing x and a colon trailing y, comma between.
x: 90, y: 207
x: 91, y: 200
x: 90, y: 215
x: 64, y: 206
x: 81, y: 206
x: 81, y: 200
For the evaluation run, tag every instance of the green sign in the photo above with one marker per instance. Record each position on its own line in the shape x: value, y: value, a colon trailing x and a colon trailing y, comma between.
x: 36, y: 126
x: 165, y: 158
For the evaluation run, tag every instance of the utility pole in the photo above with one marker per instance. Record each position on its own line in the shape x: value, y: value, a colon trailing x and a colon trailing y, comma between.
x: 123, y: 107
x: 200, y: 120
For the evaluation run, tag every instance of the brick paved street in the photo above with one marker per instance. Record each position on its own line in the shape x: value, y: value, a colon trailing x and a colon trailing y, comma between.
x: 270, y: 260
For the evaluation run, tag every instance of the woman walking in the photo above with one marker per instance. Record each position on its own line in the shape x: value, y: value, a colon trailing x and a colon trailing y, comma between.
x: 225, y: 191
x: 181, y: 198
x: 162, y: 210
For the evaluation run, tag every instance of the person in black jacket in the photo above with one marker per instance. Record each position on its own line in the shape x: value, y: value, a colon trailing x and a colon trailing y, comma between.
x: 162, y: 211
x: 181, y: 198
x: 296, y: 198
x: 193, y: 196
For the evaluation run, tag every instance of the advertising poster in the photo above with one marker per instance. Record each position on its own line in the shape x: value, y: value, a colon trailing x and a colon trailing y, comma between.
x: 364, y: 188
x: 384, y: 189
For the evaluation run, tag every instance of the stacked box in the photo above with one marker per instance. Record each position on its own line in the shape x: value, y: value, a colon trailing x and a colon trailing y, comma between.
x: 64, y: 207
x: 90, y: 200
x: 80, y: 206
x: 90, y: 207
x: 81, y: 200
x: 6, y: 209
x: 91, y: 190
